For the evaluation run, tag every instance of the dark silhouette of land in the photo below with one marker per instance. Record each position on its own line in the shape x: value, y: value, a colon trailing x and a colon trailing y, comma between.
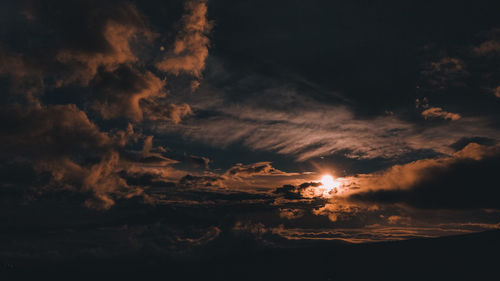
x: 464, y: 257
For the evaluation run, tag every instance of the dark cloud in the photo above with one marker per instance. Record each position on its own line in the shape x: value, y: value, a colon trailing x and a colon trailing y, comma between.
x: 96, y: 55
x: 62, y: 140
x: 460, y: 144
x: 119, y: 93
x: 466, y: 181
x: 200, y: 161
x: 261, y: 168
x: 202, y: 181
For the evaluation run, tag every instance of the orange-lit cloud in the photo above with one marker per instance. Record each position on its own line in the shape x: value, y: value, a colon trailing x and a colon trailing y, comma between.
x: 117, y: 35
x: 191, y: 46
x: 121, y: 94
x: 49, y: 137
x: 487, y: 47
x: 438, y: 112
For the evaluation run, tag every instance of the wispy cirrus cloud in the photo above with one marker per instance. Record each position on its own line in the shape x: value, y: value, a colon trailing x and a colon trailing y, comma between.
x: 307, y: 128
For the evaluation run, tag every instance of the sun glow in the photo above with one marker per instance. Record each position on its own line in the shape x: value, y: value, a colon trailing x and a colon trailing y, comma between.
x: 326, y: 187
x: 328, y: 182
x: 329, y: 186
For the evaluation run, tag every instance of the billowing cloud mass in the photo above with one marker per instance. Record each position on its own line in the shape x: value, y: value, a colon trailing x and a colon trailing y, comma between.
x: 98, y: 49
x: 121, y: 94
x: 191, y: 45
x: 51, y: 137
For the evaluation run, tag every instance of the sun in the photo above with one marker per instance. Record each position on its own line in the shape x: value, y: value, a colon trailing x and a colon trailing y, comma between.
x: 329, y: 183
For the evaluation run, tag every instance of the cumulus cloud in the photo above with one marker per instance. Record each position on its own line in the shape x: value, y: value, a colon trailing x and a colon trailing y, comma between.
x: 438, y: 112
x: 119, y: 93
x: 85, y: 65
x: 100, y: 46
x: 62, y: 141
x: 191, y: 46
x: 94, y: 53
x: 91, y: 36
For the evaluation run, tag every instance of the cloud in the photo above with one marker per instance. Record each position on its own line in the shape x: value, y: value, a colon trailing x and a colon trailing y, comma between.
x: 26, y: 78
x: 307, y: 129
x: 156, y: 110
x: 446, y: 72
x: 200, y: 161
x: 464, y: 181
x: 438, y: 112
x: 88, y: 63
x: 191, y: 46
x: 337, y: 210
x: 260, y: 168
x: 496, y: 91
x: 487, y: 47
x: 85, y: 65
x: 100, y: 46
x: 120, y: 94
x: 90, y: 36
x: 291, y: 213
x: 62, y: 141
x: 16, y: 66
x: 202, y: 181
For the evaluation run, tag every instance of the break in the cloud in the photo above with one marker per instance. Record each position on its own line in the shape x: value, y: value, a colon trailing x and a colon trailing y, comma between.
x: 438, y: 112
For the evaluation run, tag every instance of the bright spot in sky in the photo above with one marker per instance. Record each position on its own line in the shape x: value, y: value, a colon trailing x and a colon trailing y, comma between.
x: 329, y: 187
x: 328, y: 181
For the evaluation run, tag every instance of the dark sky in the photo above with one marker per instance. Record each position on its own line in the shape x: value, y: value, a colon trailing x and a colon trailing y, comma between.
x: 168, y: 125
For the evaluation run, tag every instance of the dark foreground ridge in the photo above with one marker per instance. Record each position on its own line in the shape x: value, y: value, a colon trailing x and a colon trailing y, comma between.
x: 464, y: 257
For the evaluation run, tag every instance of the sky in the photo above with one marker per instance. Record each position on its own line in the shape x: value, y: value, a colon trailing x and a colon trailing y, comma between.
x: 163, y: 126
